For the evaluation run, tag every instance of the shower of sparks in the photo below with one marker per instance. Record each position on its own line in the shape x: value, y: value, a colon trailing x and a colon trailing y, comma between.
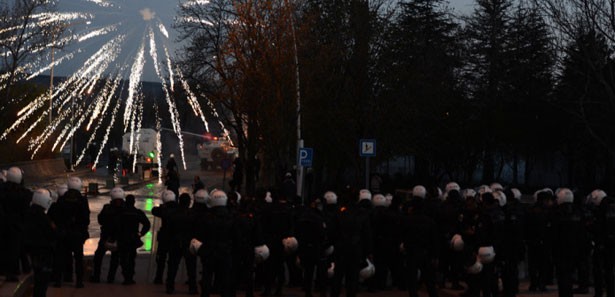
x: 163, y: 30
x: 172, y: 107
x: 106, y: 89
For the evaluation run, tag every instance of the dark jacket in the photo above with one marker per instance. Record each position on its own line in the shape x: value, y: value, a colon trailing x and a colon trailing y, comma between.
x: 71, y: 215
x: 15, y: 200
x: 39, y: 235
x: 569, y: 233
x: 311, y: 232
x: 129, y: 235
x: 218, y: 233
x: 277, y: 223
x: 109, y: 219
x: 355, y: 233
x: 420, y: 233
x: 180, y: 225
x: 162, y: 211
x: 603, y: 232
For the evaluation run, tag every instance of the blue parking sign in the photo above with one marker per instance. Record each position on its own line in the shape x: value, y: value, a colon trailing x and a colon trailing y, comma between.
x: 368, y: 148
x: 306, y: 155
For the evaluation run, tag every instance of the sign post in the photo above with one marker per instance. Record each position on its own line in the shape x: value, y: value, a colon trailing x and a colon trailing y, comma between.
x: 225, y: 164
x: 304, y: 159
x: 367, y: 149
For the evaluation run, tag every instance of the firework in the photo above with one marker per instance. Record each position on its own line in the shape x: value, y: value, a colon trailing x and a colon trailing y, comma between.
x: 114, y: 43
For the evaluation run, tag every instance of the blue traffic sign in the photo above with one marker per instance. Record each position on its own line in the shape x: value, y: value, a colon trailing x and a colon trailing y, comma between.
x: 306, y: 156
x: 368, y: 148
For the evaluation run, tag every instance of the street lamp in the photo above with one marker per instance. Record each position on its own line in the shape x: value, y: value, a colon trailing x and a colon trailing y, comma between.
x: 298, y: 94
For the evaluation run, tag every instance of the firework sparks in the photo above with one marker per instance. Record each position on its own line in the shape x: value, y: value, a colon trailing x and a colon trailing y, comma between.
x: 106, y: 88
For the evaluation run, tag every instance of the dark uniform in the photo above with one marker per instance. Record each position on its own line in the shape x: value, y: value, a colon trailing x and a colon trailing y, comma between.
x: 172, y: 182
x: 604, y: 252
x: 353, y: 246
x: 331, y: 214
x: 218, y: 233
x: 277, y: 223
x: 251, y: 235
x: 180, y: 227
x: 71, y: 215
x: 164, y: 238
x: 109, y: 220
x: 421, y: 244
x: 310, y: 231
x: 537, y: 225
x: 15, y: 200
x: 39, y: 243
x: 384, y: 223
x: 512, y: 250
x: 449, y: 221
x: 570, y: 235
x: 129, y: 237
x: 489, y: 233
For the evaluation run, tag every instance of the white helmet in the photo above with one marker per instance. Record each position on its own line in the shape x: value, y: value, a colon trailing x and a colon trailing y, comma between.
x: 201, y: 196
x: 218, y: 198
x: 268, y: 198
x: 290, y: 244
x: 476, y: 268
x: 75, y: 183
x: 452, y: 186
x: 564, y: 195
x: 484, y: 189
x: 389, y: 199
x: 486, y: 254
x: 331, y: 270
x: 379, y: 200
x: 168, y: 196
x: 365, y: 195
x: 596, y: 196
x: 118, y: 193
x: 469, y: 193
x: 15, y: 175
x: 500, y: 197
x: 367, y: 271
x: 61, y: 189
x: 330, y: 197
x: 42, y: 198
x: 457, y: 243
x: 419, y: 191
x: 261, y: 253
x: 516, y: 193
x: 195, y: 246
x: 496, y: 187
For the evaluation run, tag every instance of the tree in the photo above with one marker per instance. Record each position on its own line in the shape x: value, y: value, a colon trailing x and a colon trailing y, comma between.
x: 338, y: 47
x: 586, y: 34
x: 587, y: 108
x: 240, y: 55
x: 487, y: 39
x: 424, y: 113
x: 23, y: 35
x: 527, y: 115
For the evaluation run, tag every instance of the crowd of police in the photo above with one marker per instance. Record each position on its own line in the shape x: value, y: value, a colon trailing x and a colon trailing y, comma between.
x: 361, y: 241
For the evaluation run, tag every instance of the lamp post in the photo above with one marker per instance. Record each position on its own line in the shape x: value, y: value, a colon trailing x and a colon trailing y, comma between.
x: 298, y: 97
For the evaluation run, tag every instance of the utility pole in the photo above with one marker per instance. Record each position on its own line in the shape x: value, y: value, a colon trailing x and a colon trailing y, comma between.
x: 298, y: 97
